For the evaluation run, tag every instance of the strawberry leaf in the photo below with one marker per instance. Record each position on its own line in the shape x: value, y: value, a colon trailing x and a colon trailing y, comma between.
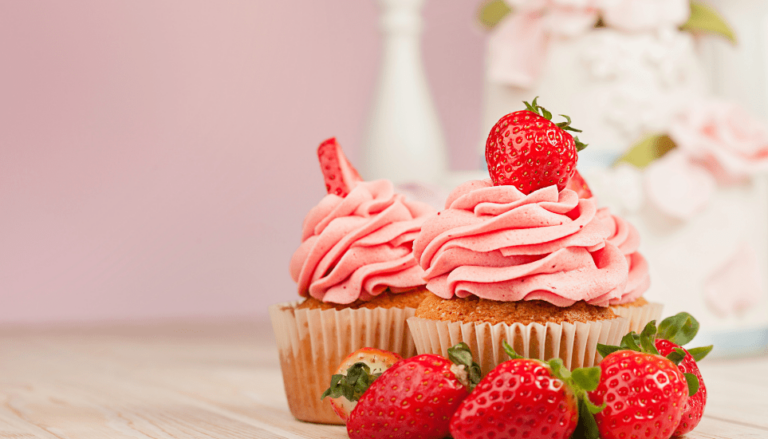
x: 544, y: 112
x: 648, y: 338
x: 693, y: 383
x: 461, y: 355
x: 676, y: 356
x: 605, y: 350
x: 698, y: 354
x: 511, y: 351
x: 587, y: 426
x: 579, y: 144
x: 587, y: 378
x: 559, y: 370
x: 628, y: 342
x: 352, y: 385
x: 680, y: 329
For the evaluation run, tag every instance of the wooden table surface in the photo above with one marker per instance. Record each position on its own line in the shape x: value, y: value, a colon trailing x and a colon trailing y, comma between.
x: 222, y: 380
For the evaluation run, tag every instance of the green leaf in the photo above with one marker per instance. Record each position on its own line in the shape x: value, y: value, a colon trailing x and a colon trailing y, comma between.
x: 647, y: 150
x: 606, y: 350
x: 587, y: 427
x: 704, y: 18
x: 544, y: 112
x: 559, y: 370
x: 586, y: 378
x: 628, y: 342
x: 511, y: 351
x: 492, y: 12
x: 334, y: 391
x: 353, y: 384
x: 698, y: 354
x: 693, y: 383
x: 579, y: 144
x: 679, y: 329
x: 648, y: 338
x: 566, y: 123
x: 460, y: 354
x: 676, y: 356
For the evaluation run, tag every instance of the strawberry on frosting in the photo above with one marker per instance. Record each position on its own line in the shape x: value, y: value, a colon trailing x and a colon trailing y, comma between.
x: 498, y: 243
x: 357, y: 242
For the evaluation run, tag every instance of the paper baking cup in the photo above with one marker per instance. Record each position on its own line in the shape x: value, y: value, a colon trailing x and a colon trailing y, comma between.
x: 639, y: 316
x: 313, y: 342
x: 575, y: 344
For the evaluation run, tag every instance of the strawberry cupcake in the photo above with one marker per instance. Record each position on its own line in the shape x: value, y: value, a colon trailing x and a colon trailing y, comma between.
x: 521, y: 257
x: 360, y: 283
x: 631, y: 305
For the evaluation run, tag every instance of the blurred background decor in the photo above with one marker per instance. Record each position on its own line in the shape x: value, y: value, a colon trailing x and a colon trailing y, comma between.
x: 688, y: 169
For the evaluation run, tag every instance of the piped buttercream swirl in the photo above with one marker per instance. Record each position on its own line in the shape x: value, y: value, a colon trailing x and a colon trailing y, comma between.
x: 497, y: 243
x: 354, y: 248
x: 626, y: 237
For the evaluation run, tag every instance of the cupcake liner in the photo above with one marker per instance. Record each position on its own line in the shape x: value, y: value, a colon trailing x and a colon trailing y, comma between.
x: 575, y: 344
x: 313, y: 342
x: 639, y: 316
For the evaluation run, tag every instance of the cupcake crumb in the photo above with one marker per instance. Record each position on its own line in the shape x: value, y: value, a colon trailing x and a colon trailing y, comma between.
x: 387, y: 299
x: 476, y: 310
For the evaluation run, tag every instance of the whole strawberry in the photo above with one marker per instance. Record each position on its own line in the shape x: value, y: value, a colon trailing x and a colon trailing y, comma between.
x: 694, y: 406
x: 524, y: 398
x: 354, y: 375
x: 644, y: 393
x: 415, y: 398
x: 675, y: 332
x: 525, y: 149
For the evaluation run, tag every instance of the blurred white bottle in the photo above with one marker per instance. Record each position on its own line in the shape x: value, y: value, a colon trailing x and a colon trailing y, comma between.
x: 404, y: 140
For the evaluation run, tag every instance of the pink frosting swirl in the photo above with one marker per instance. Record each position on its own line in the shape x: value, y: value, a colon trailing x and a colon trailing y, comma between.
x: 358, y: 246
x: 497, y: 243
x: 626, y: 237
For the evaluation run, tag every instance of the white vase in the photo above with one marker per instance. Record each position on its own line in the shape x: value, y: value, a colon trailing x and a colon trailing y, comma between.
x: 404, y: 140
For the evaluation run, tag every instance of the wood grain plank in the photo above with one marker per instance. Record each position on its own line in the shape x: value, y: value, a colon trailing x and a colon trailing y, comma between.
x: 220, y: 381
x: 717, y: 429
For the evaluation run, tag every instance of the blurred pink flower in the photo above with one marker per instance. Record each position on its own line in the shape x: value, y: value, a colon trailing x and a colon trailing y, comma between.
x: 518, y: 45
x: 732, y: 143
x: 677, y: 186
x: 638, y: 15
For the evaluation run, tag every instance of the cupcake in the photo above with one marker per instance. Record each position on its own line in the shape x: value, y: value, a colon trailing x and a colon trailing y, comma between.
x: 360, y: 283
x: 631, y: 305
x: 521, y: 257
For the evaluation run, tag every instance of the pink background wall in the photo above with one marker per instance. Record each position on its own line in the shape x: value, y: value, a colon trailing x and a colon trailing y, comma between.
x: 157, y: 156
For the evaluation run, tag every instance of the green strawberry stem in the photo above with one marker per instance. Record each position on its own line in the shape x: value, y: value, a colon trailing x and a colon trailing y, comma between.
x: 534, y: 107
x: 353, y: 384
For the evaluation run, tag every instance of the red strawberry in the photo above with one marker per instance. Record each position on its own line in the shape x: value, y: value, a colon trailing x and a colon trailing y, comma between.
x: 524, y: 398
x: 674, y: 332
x: 340, y: 176
x: 414, y: 398
x: 645, y: 394
x: 694, y: 407
x: 579, y: 185
x: 354, y: 375
x: 525, y: 149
